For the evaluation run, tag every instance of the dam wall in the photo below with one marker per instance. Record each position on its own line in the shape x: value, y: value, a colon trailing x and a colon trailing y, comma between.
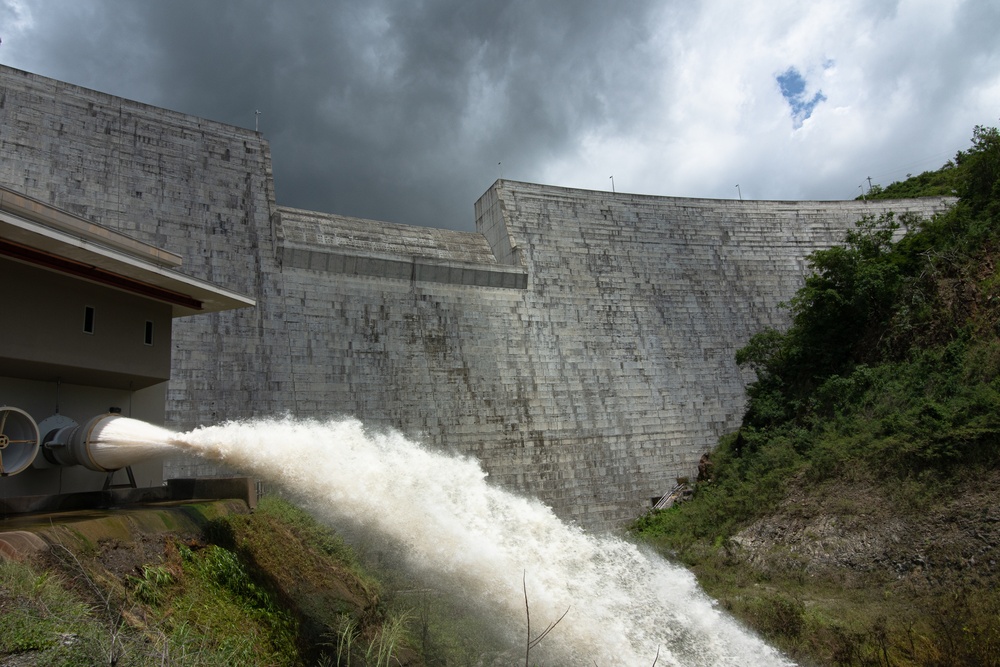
x: 199, y: 188
x: 579, y: 344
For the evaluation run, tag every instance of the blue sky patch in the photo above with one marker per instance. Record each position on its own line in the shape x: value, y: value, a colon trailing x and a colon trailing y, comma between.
x: 793, y: 89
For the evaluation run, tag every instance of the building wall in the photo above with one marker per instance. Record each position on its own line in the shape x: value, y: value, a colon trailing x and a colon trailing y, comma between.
x: 592, y: 373
x: 44, y: 336
x: 53, y: 370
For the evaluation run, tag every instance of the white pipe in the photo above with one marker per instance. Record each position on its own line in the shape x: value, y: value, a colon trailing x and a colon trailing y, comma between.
x: 108, y: 442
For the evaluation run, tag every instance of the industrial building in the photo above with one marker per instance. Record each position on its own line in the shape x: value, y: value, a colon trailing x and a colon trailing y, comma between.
x: 86, y: 333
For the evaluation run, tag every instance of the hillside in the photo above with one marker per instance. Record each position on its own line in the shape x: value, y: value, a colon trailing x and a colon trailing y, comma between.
x: 852, y: 520
x: 214, y: 584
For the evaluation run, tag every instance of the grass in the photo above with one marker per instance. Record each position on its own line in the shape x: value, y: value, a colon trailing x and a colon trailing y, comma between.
x: 39, y: 616
x: 267, y: 588
x: 222, y: 598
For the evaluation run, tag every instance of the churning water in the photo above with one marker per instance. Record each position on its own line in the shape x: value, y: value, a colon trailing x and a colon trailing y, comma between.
x: 457, y: 532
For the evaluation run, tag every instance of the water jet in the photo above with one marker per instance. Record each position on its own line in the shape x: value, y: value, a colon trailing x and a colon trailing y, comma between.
x: 438, y: 517
x: 105, y: 443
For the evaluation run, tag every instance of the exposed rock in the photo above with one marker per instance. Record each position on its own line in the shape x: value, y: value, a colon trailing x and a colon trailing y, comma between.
x: 847, y: 530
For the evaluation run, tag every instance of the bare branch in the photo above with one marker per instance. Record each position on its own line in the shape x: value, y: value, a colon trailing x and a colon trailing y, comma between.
x: 527, y: 614
x: 532, y: 643
x: 539, y: 638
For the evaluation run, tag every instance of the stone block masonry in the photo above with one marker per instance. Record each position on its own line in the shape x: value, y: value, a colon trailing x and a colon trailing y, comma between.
x: 579, y: 344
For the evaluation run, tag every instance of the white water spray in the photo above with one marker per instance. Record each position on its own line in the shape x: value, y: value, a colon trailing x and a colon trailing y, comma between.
x: 118, y: 442
x: 626, y: 607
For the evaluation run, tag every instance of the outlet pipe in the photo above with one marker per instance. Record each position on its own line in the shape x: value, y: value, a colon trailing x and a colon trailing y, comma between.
x: 18, y: 440
x: 107, y: 443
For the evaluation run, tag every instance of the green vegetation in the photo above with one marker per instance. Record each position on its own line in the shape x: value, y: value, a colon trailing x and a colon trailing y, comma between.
x: 941, y: 183
x: 204, y: 600
x: 951, y: 180
x: 39, y: 616
x: 851, y: 519
x: 272, y: 587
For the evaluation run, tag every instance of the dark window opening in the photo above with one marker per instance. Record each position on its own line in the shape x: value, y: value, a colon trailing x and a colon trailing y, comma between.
x: 149, y: 333
x: 88, y: 319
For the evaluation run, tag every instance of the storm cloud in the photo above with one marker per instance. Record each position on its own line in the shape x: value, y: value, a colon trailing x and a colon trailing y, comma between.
x: 407, y: 111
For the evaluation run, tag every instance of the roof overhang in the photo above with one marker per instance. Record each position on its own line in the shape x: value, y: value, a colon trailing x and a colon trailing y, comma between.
x: 44, y: 236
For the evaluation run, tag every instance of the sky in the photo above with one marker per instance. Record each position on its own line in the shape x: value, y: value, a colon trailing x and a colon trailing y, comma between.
x: 407, y: 111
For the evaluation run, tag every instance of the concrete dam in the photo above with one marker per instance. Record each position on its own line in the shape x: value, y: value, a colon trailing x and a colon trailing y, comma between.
x: 579, y: 344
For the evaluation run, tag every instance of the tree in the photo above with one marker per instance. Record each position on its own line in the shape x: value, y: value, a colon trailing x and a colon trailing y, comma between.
x: 868, y: 300
x: 980, y: 190
x: 837, y: 320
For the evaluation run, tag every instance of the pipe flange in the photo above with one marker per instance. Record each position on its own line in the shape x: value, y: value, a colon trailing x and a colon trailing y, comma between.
x: 18, y: 440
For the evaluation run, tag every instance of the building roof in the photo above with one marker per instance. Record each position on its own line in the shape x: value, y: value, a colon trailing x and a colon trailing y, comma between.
x: 36, y: 233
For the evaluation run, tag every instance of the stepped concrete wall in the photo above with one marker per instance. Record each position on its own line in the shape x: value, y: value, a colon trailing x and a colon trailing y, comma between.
x: 579, y: 344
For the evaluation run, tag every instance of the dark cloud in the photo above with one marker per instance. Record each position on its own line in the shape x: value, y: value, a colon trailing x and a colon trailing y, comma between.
x: 389, y: 110
x: 401, y: 109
